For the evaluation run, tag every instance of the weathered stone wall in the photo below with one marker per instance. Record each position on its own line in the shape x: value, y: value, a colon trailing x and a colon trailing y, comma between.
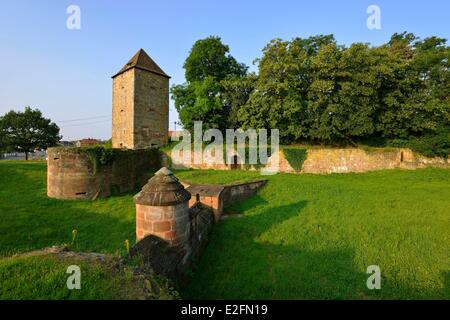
x: 151, y: 109
x: 140, y: 109
x: 328, y: 160
x: 170, y: 223
x: 73, y: 174
x: 218, y: 197
x: 237, y: 192
x: 350, y: 160
x: 337, y: 160
x: 171, y: 260
x: 181, y: 161
x: 123, y: 110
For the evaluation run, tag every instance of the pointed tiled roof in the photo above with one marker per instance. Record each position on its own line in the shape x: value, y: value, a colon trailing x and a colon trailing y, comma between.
x: 141, y: 60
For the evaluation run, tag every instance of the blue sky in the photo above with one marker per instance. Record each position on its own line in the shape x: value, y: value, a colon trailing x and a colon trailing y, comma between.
x: 67, y: 73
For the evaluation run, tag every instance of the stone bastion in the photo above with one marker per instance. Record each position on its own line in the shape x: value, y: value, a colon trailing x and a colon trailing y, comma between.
x: 90, y: 173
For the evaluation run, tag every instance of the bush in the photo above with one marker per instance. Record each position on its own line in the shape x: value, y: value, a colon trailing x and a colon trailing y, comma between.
x: 295, y: 157
x: 107, y: 144
x: 433, y: 144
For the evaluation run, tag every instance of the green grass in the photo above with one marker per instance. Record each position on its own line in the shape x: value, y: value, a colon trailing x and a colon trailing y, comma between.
x: 302, y: 236
x: 43, y: 275
x: 313, y: 236
x: 30, y: 220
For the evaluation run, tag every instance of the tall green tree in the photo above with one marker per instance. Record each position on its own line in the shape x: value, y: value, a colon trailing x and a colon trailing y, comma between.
x: 280, y: 98
x: 314, y: 90
x: 209, y: 57
x: 27, y: 131
x: 416, y: 102
x: 201, y: 97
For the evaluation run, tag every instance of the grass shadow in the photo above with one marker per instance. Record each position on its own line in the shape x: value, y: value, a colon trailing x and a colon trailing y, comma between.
x: 250, y: 268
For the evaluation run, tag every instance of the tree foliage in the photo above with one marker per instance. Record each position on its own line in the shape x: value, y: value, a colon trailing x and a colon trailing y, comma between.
x: 210, y: 58
x: 27, y: 131
x: 314, y: 90
x: 201, y: 97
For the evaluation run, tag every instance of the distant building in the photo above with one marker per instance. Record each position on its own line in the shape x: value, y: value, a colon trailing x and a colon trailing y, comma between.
x: 173, y: 133
x: 87, y: 142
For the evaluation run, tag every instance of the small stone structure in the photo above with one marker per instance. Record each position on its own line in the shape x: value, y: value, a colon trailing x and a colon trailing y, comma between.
x: 169, y: 234
x: 218, y: 197
x: 162, y: 209
x: 140, y: 111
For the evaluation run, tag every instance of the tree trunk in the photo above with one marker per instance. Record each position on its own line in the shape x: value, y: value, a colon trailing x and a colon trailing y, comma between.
x: 26, y: 155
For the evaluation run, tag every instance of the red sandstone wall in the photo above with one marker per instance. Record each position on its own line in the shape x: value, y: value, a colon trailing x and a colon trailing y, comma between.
x: 343, y: 160
x: 350, y: 160
x: 238, y: 192
x: 170, y: 223
x: 71, y: 174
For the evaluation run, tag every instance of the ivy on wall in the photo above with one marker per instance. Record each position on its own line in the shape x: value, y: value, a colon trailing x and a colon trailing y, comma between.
x: 99, y: 156
x: 103, y: 156
x: 296, y: 157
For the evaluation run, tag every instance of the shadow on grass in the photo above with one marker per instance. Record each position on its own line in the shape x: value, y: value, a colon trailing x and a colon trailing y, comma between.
x: 447, y: 284
x: 238, y: 264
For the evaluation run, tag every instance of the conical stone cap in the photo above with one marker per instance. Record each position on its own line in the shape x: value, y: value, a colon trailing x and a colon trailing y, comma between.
x: 141, y: 60
x: 163, y: 189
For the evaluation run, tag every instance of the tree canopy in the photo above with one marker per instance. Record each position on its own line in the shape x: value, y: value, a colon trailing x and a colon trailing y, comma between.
x: 210, y: 58
x: 314, y: 90
x: 201, y: 97
x: 27, y: 131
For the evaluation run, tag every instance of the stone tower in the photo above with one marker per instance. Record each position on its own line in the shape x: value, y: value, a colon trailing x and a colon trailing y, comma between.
x: 140, y: 115
x: 162, y: 209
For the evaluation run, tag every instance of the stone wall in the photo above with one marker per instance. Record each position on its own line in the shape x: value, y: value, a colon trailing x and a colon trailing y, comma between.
x: 351, y: 160
x: 180, y: 161
x: 171, y: 260
x: 170, y: 223
x: 218, y: 197
x: 329, y: 160
x: 151, y: 109
x: 339, y: 160
x: 233, y: 193
x: 72, y: 173
x: 123, y: 110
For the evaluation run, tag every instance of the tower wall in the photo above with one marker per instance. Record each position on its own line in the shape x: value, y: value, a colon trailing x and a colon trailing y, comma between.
x: 151, y: 109
x: 123, y: 110
x: 140, y: 117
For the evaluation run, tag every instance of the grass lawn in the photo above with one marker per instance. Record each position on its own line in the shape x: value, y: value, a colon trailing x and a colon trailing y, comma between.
x: 313, y: 236
x: 38, y: 277
x: 29, y: 220
x: 302, y: 236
